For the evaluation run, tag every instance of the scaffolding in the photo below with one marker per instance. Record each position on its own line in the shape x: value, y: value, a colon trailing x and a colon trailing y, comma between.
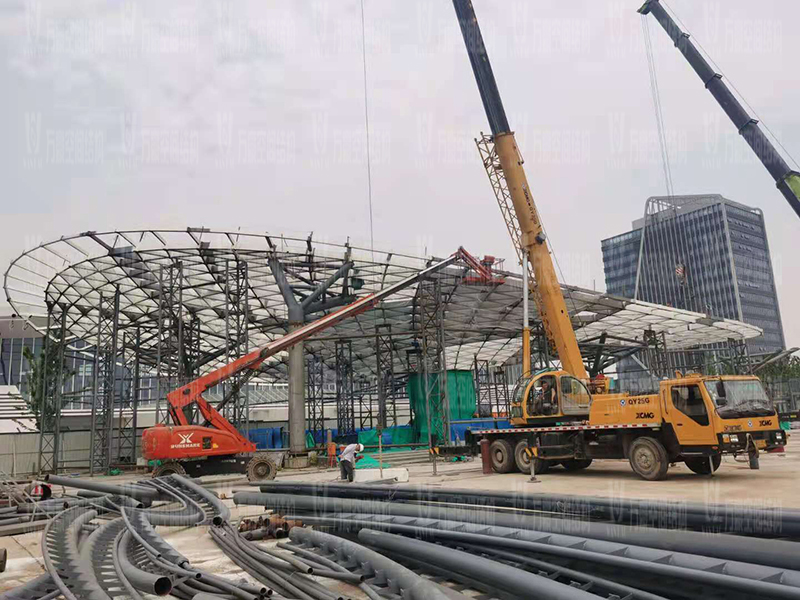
x: 127, y: 430
x: 384, y: 370
x: 106, y: 388
x: 315, y: 396
x: 491, y: 390
x: 345, y: 405
x: 432, y: 366
x: 51, y: 391
x: 236, y: 397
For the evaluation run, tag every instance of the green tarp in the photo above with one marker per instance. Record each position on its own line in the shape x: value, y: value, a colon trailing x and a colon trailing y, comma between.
x: 460, y: 397
x: 395, y: 435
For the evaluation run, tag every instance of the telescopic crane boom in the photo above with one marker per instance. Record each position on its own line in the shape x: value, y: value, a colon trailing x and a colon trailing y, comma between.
x: 503, y: 162
x: 787, y: 180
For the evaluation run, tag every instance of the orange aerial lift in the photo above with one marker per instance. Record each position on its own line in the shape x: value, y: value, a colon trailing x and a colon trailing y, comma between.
x: 217, y: 446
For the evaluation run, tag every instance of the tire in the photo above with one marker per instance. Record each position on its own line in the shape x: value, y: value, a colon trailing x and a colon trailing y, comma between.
x: 524, y: 463
x: 648, y: 458
x: 502, y: 456
x: 701, y: 466
x: 577, y: 464
x: 169, y: 468
x: 261, y: 468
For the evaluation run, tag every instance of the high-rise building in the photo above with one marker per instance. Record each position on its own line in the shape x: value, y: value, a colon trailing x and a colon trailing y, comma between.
x: 703, y: 253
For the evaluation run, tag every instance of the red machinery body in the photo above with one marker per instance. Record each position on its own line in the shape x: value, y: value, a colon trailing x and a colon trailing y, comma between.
x: 184, y: 442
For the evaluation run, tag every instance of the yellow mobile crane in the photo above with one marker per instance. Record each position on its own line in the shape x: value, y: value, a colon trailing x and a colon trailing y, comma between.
x: 569, y: 419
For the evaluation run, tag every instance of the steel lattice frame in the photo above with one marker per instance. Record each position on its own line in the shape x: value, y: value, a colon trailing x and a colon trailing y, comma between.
x: 174, y: 289
x: 107, y: 390
x: 52, y: 390
x: 345, y: 402
x: 237, y: 408
x: 315, y: 396
x: 432, y: 363
x: 384, y: 359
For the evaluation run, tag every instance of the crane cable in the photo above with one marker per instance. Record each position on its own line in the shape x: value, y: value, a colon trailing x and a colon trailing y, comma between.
x: 366, y: 123
x: 679, y: 242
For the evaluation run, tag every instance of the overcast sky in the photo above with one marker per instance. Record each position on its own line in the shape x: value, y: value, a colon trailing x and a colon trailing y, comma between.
x: 122, y: 114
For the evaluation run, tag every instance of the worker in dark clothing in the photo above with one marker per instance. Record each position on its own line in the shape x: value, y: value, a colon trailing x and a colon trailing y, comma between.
x: 347, y: 461
x: 548, y: 396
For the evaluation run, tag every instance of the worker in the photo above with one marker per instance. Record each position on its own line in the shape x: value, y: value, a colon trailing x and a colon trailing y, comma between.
x: 347, y: 461
x: 548, y: 396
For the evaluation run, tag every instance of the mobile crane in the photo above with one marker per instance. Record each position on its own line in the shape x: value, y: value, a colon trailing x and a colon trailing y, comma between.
x: 786, y: 179
x: 217, y: 447
x: 568, y: 418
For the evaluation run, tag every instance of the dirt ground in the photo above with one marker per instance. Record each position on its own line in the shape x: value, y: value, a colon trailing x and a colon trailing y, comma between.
x: 776, y: 484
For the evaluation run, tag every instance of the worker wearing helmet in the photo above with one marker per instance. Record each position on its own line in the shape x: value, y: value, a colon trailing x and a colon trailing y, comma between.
x: 347, y: 461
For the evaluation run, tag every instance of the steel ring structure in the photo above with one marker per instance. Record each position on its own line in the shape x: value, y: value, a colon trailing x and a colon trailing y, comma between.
x: 168, y: 305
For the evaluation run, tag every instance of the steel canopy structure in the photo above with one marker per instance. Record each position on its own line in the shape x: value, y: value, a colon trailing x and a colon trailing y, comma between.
x: 173, y: 304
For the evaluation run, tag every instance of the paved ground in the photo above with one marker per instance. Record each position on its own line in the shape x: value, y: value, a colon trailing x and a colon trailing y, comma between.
x: 776, y: 484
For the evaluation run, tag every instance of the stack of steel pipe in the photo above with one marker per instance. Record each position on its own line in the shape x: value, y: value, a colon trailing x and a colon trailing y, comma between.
x: 643, y: 562
x: 122, y: 554
x: 738, y: 518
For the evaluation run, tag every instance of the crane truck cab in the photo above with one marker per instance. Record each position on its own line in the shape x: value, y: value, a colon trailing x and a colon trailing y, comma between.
x: 693, y: 419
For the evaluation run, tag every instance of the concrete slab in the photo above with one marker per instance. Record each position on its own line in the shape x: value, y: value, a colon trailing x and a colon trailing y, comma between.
x: 366, y: 475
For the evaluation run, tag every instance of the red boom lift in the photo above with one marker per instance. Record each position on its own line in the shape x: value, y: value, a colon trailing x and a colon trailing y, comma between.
x: 217, y: 446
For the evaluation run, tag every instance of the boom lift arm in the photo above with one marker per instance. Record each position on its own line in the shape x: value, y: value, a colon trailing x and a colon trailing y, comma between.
x: 250, y: 363
x: 503, y: 162
x: 787, y: 180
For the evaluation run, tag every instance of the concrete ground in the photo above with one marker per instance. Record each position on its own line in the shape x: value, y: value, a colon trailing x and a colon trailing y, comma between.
x: 776, y: 484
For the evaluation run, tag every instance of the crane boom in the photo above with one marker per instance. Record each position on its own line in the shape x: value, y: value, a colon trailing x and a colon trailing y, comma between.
x: 787, y: 180
x: 503, y: 163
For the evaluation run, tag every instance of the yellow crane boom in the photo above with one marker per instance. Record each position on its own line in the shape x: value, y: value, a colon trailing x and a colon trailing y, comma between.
x: 503, y: 163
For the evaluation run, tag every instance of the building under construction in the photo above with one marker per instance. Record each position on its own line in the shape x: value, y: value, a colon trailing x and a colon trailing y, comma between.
x: 140, y: 313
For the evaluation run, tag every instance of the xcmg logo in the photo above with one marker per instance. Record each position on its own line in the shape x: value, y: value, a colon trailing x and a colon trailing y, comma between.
x: 186, y: 441
x: 645, y: 415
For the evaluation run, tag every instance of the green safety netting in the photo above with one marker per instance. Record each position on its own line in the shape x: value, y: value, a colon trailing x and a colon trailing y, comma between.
x: 391, y: 435
x: 460, y: 397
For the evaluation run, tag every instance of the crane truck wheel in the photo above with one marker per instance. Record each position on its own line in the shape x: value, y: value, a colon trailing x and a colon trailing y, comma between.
x: 524, y: 462
x: 261, y: 468
x: 576, y: 464
x: 502, y: 456
x: 701, y: 466
x: 648, y: 458
x: 169, y: 468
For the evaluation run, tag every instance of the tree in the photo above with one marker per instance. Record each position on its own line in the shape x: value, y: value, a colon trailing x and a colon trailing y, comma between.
x: 788, y: 368
x: 44, y: 365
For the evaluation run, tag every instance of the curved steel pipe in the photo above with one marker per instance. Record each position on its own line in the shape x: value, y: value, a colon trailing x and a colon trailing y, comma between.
x: 412, y: 585
x: 150, y: 583
x: 504, y: 577
x: 774, y: 553
x: 712, y: 578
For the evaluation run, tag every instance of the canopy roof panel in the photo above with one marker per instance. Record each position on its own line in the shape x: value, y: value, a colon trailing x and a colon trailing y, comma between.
x: 483, y: 321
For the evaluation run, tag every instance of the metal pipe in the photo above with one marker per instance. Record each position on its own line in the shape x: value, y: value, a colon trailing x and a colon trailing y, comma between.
x: 757, y: 587
x: 623, y: 591
x: 778, y: 522
x: 150, y: 583
x: 223, y: 513
x: 412, y: 586
x: 775, y: 553
x: 515, y: 581
x: 135, y: 491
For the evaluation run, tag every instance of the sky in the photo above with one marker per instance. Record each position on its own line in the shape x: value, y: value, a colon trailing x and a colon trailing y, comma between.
x: 229, y: 114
